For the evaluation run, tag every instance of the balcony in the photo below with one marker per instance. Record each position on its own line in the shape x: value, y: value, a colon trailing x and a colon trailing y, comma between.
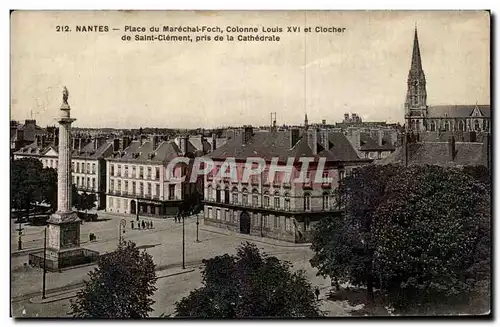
x: 268, y: 208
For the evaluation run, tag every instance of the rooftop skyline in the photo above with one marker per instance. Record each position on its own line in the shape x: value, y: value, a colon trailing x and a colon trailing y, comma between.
x: 188, y: 85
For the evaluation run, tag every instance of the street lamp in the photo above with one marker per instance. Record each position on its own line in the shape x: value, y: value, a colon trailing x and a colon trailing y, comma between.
x: 197, y: 223
x: 44, y: 261
x: 183, y: 247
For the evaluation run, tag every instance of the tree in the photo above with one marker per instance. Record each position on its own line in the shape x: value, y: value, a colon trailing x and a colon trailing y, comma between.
x: 120, y: 287
x: 84, y: 201
x: 432, y: 235
x: 49, y: 181
x: 26, y: 183
x: 343, y: 245
x: 249, y: 284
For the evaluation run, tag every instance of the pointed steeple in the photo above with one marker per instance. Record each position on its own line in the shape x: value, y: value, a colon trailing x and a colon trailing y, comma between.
x: 416, y: 95
x: 416, y: 61
x: 306, y: 122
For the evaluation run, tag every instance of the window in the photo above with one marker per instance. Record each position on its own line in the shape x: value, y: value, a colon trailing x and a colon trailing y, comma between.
x: 149, y: 189
x: 126, y: 187
x: 78, y: 181
x: 209, y: 192
x: 88, y: 181
x: 126, y: 171
x: 217, y: 194
x: 446, y: 126
x: 276, y: 200
x: 51, y: 163
x: 110, y: 202
x: 171, y: 192
x: 134, y: 175
x: 287, y: 201
x: 307, y: 202
x: 209, y: 213
x: 141, y: 189
x: 476, y: 125
x: 266, y: 199
x: 226, y: 195
x: 83, y: 181
x: 308, y: 176
x: 119, y: 170
x: 111, y: 169
x: 432, y: 126
x: 218, y: 215
x: 255, y: 198
x: 234, y: 192
x: 326, y: 198
x: 235, y: 216
x: 119, y: 185
x: 276, y: 222
x: 157, y: 186
x: 93, y: 168
x: 157, y: 173
x: 287, y: 223
x: 244, y: 197
x: 88, y: 168
x: 265, y: 175
x: 125, y: 204
x: 118, y: 204
x: 134, y: 190
x: 265, y: 221
x: 325, y: 177
x: 149, y: 173
x: 78, y: 168
x: 72, y: 165
x: 141, y: 172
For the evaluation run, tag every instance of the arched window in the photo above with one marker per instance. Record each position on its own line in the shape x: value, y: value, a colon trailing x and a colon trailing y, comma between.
x: 446, y: 126
x: 244, y: 197
x: 226, y: 195
x: 461, y: 126
x: 326, y: 204
x: 234, y: 192
x: 287, y: 201
x: 277, y: 203
x: 255, y: 198
x: 307, y: 202
x: 266, y: 199
x: 209, y: 192
x: 476, y: 125
x: 432, y: 126
x: 217, y: 194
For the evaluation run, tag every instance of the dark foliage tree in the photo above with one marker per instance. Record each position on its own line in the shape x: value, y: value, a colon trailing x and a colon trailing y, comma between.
x: 49, y: 181
x: 432, y: 235
x: 120, y: 287
x: 343, y: 245
x: 481, y: 173
x: 249, y: 284
x: 26, y: 183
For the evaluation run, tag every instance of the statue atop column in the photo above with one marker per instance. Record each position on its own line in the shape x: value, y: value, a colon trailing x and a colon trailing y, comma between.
x: 65, y: 95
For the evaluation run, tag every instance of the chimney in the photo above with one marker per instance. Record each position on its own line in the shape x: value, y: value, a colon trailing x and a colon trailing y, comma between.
x: 29, y: 122
x: 346, y: 117
x: 74, y: 140
x: 325, y: 142
x: 38, y: 141
x: 380, y: 137
x: 116, y: 145
x: 247, y: 134
x: 323, y: 121
x: 214, y: 142
x: 19, y: 135
x: 125, y: 143
x: 487, y: 150
x: 451, y: 148
x: 294, y: 136
x: 312, y: 140
x: 185, y: 139
x: 155, y: 142
x: 353, y: 136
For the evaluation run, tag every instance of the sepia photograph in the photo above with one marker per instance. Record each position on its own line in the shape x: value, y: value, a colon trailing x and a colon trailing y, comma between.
x: 217, y: 164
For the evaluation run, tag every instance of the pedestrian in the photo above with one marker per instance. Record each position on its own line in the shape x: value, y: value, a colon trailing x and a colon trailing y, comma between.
x: 143, y: 225
x: 316, y: 291
x: 151, y: 224
x: 132, y: 224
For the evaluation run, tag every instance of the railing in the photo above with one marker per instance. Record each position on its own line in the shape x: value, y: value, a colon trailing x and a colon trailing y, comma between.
x: 301, y: 209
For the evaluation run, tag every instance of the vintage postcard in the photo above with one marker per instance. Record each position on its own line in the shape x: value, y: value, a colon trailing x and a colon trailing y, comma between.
x: 250, y: 164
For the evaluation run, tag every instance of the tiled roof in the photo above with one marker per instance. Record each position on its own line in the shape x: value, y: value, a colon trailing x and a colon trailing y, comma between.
x: 456, y: 110
x: 369, y: 143
x: 274, y: 144
x: 437, y: 153
x: 164, y: 152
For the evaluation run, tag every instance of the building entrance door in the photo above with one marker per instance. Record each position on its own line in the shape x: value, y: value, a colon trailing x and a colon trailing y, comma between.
x: 133, y: 209
x: 244, y: 223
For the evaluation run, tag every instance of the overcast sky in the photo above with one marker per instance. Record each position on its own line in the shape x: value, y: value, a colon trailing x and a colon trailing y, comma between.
x: 113, y: 83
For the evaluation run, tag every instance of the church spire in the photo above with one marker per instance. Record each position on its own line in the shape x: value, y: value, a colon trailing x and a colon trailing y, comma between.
x: 306, y: 122
x: 416, y: 96
x: 416, y: 61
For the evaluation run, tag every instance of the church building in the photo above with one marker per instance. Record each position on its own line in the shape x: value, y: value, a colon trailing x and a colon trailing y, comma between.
x: 420, y: 117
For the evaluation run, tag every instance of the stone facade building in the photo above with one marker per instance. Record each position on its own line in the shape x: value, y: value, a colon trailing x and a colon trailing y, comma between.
x: 277, y: 209
x: 420, y: 117
x: 137, y: 177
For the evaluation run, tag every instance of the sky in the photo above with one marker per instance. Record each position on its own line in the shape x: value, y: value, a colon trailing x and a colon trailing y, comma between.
x: 131, y: 84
